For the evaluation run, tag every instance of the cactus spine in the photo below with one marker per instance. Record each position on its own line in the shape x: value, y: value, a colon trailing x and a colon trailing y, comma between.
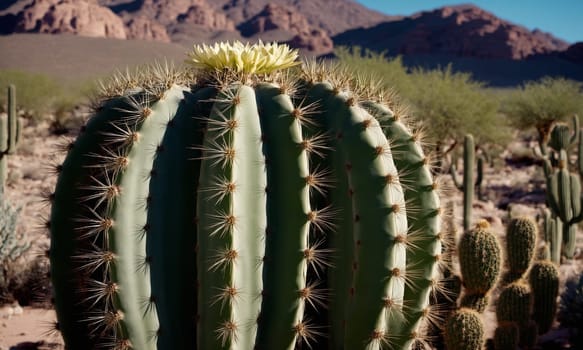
x: 219, y: 231
x: 9, y: 129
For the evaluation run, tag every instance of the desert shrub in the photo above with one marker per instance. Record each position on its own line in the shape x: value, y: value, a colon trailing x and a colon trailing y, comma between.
x: 571, y: 309
x: 39, y: 96
x: 11, y: 245
x: 541, y: 103
x: 391, y: 71
x: 452, y: 104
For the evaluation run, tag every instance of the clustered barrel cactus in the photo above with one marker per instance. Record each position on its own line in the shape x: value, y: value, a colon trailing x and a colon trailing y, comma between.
x: 244, y: 205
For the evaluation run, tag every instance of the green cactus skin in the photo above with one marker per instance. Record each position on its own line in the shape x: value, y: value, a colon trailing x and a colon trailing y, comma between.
x: 506, y: 336
x: 9, y: 134
x: 564, y: 199
x: 553, y: 235
x: 186, y: 217
x: 464, y: 330
x: 476, y: 302
x: 467, y: 186
x: 561, y: 137
x: 425, y: 239
x: 529, y: 335
x: 544, y: 282
x: 515, y: 304
x: 521, y: 239
x: 480, y: 264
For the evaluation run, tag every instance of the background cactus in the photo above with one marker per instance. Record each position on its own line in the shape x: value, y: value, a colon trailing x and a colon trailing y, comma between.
x: 570, y: 313
x: 564, y: 199
x: 521, y: 239
x: 515, y: 305
x: 470, y: 182
x: 480, y: 263
x: 544, y: 282
x: 506, y: 336
x: 9, y: 131
x: 464, y: 330
x: 233, y: 231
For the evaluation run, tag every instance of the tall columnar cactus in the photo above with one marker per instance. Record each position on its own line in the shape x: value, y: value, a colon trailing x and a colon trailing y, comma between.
x: 240, y: 207
x: 470, y: 182
x: 565, y: 200
x: 553, y: 235
x: 464, y: 330
x: 521, y: 238
x: 480, y: 264
x: 544, y: 282
x: 9, y: 130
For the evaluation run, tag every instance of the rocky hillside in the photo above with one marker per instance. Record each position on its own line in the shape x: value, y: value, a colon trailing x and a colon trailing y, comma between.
x: 464, y: 31
x: 315, y: 26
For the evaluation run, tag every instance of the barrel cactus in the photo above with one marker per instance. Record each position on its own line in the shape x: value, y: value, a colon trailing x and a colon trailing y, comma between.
x: 544, y: 282
x: 464, y: 330
x: 244, y: 204
x: 521, y: 239
x: 480, y: 263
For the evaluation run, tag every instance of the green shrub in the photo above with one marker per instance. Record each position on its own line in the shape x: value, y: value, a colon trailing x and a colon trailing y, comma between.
x: 539, y: 104
x: 40, y: 95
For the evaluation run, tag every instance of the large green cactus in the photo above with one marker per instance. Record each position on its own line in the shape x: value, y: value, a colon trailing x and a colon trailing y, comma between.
x: 9, y: 130
x: 240, y: 208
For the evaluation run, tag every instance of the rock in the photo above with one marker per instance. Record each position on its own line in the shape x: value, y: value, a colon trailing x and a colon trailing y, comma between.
x: 6, y: 311
x: 574, y: 53
x: 470, y: 31
x: 277, y: 17
x: 81, y: 17
x: 140, y: 27
x: 205, y: 16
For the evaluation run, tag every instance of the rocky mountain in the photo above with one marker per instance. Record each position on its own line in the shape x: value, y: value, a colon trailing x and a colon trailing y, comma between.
x: 463, y: 31
x: 315, y: 26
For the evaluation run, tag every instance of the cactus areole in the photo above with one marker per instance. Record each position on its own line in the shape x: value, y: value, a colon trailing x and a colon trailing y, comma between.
x: 244, y: 203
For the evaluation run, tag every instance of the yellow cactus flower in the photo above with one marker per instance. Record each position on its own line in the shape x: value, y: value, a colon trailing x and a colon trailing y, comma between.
x: 243, y: 58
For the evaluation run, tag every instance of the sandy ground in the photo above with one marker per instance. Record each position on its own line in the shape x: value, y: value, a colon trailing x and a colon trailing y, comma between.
x: 30, y: 176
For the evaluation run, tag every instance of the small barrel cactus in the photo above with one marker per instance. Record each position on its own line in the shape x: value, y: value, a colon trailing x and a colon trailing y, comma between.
x: 506, y: 336
x: 480, y: 264
x: 544, y: 282
x: 464, y: 330
x: 244, y: 206
x: 521, y: 238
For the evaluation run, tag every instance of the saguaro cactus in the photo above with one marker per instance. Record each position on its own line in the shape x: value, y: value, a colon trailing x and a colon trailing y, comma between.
x: 224, y: 209
x: 565, y: 200
x: 9, y: 130
x: 469, y: 180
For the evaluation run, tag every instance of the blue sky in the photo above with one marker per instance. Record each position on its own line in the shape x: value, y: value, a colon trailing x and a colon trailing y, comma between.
x: 562, y: 18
